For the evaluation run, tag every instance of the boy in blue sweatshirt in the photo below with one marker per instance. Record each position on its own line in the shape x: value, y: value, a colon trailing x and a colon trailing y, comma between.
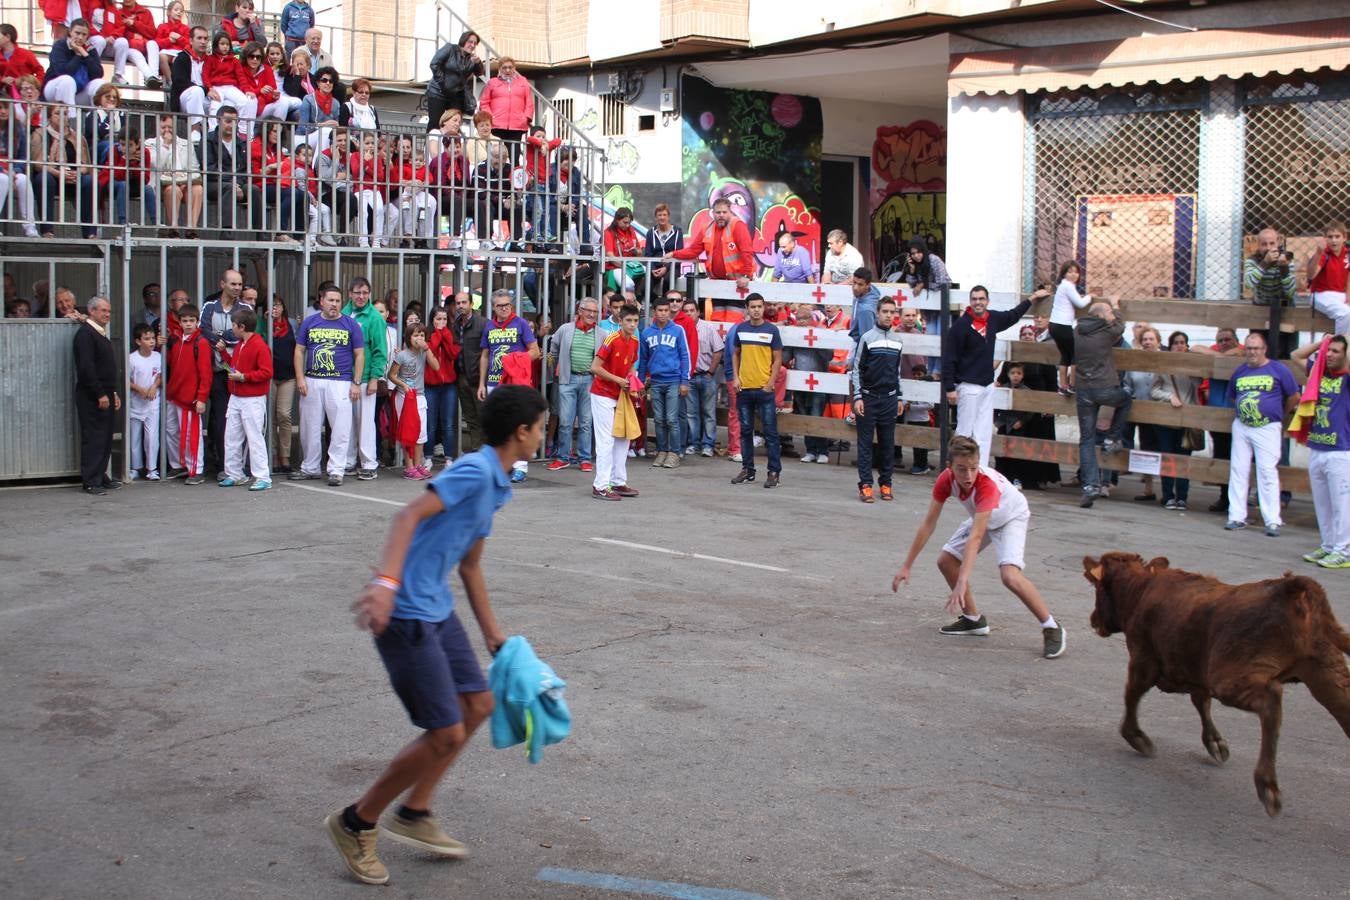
x: 297, y: 17
x: 663, y: 366
x: 410, y: 610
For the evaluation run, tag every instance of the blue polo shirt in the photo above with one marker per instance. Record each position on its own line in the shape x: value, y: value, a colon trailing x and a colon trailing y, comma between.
x: 472, y: 490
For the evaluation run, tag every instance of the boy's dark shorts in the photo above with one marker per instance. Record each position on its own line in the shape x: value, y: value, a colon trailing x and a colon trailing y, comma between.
x: 430, y: 664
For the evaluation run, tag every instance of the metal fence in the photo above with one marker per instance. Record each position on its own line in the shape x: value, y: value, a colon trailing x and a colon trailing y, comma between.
x: 1159, y: 191
x: 82, y: 171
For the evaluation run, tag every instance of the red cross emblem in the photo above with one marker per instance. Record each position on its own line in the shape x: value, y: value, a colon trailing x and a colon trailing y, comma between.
x: 811, y: 338
x: 742, y: 291
x: 812, y: 381
x: 722, y: 330
x: 818, y: 293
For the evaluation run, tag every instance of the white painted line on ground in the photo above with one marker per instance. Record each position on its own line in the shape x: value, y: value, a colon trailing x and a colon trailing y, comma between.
x: 684, y: 555
x: 585, y: 574
x: 346, y: 495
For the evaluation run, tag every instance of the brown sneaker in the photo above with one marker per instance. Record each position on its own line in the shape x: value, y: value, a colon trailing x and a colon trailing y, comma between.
x: 672, y: 460
x: 606, y: 494
x: 887, y: 493
x: 424, y: 834
x: 743, y: 476
x: 623, y: 490
x: 865, y: 494
x: 357, y: 849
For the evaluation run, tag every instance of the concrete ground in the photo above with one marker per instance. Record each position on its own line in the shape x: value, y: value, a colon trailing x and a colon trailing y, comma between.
x: 185, y: 698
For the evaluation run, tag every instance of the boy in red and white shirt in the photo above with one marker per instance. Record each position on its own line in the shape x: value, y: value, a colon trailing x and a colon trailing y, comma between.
x: 250, y: 375
x: 188, y: 361
x: 613, y: 364
x: 998, y: 516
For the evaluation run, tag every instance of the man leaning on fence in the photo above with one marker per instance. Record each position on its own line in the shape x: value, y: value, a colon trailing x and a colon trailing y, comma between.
x: 968, y: 365
x: 1098, y: 384
x: 1269, y: 275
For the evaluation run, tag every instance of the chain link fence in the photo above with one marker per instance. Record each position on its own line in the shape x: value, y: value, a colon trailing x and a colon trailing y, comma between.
x: 1159, y: 191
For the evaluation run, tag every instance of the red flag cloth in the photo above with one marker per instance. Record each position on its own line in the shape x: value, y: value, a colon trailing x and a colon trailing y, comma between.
x: 409, y: 427
x: 1301, y: 422
x: 518, y: 368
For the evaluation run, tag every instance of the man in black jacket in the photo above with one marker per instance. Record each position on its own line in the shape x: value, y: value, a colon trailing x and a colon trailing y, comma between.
x: 232, y: 198
x: 1097, y: 384
x: 186, y: 91
x: 468, y: 329
x: 968, y: 365
x: 96, y: 399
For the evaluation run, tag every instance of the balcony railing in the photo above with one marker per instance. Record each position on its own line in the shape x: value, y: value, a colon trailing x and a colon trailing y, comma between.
x: 79, y: 171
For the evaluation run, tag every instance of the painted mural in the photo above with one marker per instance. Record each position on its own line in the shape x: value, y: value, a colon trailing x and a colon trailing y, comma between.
x: 908, y: 191
x: 761, y: 152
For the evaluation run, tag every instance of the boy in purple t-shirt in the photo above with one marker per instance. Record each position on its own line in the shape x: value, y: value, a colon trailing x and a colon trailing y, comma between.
x: 1263, y: 392
x: 1329, y: 462
x: 505, y: 333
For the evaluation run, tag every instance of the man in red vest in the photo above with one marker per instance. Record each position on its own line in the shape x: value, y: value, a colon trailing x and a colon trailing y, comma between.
x: 728, y: 254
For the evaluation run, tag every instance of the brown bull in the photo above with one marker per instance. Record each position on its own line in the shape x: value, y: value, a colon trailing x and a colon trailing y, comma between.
x: 1193, y: 634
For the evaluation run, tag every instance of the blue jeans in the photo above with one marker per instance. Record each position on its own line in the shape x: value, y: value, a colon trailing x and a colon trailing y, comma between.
x: 666, y: 412
x: 536, y: 207
x: 748, y: 402
x: 441, y: 426
x: 702, y: 411
x: 1090, y: 401
x: 574, y: 405
x: 812, y: 403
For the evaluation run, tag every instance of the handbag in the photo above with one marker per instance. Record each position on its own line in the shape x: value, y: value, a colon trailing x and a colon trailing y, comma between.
x: 1192, y: 439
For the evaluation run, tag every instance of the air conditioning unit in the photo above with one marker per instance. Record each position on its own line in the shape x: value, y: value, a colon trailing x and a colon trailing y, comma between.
x: 667, y: 100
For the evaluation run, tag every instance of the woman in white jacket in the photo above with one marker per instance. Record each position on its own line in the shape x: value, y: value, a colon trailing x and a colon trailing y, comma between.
x: 175, y: 170
x: 1063, y: 314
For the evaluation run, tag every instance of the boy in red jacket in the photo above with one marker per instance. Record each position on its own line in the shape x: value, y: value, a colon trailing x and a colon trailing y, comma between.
x: 188, y: 362
x: 250, y: 375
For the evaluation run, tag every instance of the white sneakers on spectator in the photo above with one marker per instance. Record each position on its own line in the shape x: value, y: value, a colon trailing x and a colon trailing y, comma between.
x: 808, y: 457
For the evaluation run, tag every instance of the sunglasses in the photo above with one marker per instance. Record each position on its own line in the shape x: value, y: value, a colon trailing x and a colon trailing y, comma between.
x: 254, y: 56
x: 325, y: 80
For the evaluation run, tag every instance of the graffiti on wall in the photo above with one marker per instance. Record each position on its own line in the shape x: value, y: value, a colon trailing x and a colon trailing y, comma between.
x: 908, y: 195
x: 761, y: 152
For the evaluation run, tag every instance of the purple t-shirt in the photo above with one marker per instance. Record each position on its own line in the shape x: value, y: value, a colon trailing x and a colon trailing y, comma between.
x: 1259, y: 393
x: 329, y: 346
x: 1331, y: 424
x: 499, y: 340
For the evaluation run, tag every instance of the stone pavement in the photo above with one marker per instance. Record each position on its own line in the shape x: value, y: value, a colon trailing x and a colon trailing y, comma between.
x: 186, y: 698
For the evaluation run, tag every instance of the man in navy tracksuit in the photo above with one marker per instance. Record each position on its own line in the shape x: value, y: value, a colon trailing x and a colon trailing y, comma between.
x: 875, y: 377
x: 968, y: 365
x: 663, y: 365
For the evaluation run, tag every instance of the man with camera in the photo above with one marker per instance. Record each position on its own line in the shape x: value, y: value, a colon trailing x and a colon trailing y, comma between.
x: 1267, y: 273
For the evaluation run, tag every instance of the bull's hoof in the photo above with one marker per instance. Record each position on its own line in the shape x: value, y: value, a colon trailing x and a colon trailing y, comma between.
x: 1140, y: 742
x: 1218, y: 749
x: 1270, y: 798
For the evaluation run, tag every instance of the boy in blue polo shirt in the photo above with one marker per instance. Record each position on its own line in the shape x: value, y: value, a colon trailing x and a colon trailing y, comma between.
x: 425, y: 649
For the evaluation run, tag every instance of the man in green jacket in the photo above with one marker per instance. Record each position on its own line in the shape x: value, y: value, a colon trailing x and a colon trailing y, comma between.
x: 375, y: 330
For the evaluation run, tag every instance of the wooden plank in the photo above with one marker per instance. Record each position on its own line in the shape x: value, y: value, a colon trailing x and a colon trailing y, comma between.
x: 1219, y: 315
x: 1151, y: 412
x: 1200, y: 365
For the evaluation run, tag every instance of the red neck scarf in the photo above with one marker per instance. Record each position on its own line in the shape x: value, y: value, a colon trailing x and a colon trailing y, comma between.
x: 281, y: 328
x: 325, y: 102
x: 979, y: 323
x: 582, y: 326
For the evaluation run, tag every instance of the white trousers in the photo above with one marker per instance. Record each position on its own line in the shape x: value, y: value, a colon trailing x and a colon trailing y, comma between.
x: 1329, y: 472
x: 320, y: 217
x: 183, y: 432
x: 370, y: 212
x: 611, y: 454
x: 144, y: 436
x: 232, y: 96
x: 975, y: 416
x: 363, y: 431
x: 1264, y: 442
x: 327, y: 399
x: 414, y: 215
x: 245, y: 424
x: 23, y: 200
x: 1332, y: 304
x: 280, y: 108
x: 61, y: 89
x: 147, y: 62
x: 193, y: 103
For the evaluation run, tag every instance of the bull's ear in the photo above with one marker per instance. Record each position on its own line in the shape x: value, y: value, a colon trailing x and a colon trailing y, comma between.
x: 1158, y: 562
x: 1092, y: 569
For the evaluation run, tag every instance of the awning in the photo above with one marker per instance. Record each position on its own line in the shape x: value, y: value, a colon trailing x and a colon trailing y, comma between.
x: 1210, y: 54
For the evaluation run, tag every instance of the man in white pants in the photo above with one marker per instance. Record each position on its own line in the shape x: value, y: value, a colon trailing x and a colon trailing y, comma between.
x: 968, y: 366
x: 614, y: 361
x: 250, y: 377
x: 1327, y: 270
x: 186, y: 91
x: 73, y: 70
x: 1264, y: 394
x: 376, y: 365
x: 329, y: 359
x: 1329, y: 462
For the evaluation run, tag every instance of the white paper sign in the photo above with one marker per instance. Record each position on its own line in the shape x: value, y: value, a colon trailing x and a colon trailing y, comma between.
x: 1145, y: 463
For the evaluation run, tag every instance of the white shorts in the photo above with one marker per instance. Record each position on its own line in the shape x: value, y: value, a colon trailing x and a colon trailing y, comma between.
x: 1009, y: 540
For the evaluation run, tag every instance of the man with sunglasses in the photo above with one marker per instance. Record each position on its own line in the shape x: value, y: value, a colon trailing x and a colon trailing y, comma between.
x: 505, y: 334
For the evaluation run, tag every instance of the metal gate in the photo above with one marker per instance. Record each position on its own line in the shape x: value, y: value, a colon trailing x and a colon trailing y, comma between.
x: 39, y: 435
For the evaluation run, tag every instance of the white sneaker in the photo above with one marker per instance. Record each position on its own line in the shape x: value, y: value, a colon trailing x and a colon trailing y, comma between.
x: 736, y: 457
x: 823, y: 459
x: 689, y: 451
x: 708, y: 451
x: 759, y: 441
x: 153, y: 476
x: 632, y: 454
x: 808, y: 458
